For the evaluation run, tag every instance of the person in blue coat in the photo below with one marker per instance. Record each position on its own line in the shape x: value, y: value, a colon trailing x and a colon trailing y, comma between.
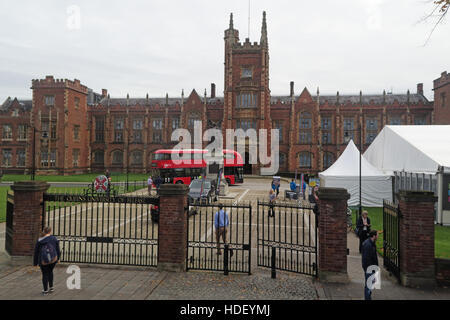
x: 46, y: 255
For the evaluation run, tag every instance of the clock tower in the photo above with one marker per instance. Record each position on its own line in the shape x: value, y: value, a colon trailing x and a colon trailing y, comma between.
x: 246, y: 86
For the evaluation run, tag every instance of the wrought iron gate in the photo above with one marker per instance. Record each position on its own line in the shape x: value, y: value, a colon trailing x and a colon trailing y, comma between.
x: 288, y: 239
x: 203, y: 249
x: 101, y: 229
x: 9, y: 221
x: 391, y: 238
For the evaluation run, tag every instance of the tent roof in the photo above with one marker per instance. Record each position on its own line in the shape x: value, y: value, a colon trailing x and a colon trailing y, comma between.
x: 347, y: 165
x: 411, y: 148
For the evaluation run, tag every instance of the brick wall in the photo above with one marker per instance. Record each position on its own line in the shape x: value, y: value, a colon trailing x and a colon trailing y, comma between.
x: 172, y: 228
x: 333, y: 234
x: 417, y: 261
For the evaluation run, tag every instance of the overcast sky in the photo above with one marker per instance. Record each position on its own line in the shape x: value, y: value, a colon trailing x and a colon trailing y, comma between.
x: 157, y: 46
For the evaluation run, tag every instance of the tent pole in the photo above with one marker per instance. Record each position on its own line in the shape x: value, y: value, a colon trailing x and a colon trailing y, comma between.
x: 360, y: 155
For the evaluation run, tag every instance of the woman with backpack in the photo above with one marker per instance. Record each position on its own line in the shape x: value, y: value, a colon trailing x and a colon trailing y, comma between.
x: 46, y: 255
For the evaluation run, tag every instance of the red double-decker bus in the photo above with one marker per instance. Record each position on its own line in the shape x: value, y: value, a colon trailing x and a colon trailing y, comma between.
x: 193, y: 166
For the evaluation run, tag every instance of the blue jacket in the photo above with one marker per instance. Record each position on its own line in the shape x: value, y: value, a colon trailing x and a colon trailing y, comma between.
x: 369, y: 254
x: 49, y: 239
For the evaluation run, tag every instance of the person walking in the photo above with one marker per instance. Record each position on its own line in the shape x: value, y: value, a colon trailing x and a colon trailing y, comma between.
x: 149, y: 185
x: 46, y: 255
x: 221, y: 223
x: 272, y: 199
x: 158, y: 182
x: 369, y: 258
x: 363, y: 227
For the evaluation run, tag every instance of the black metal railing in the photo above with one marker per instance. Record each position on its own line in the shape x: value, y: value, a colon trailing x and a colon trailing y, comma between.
x: 205, y: 253
x: 9, y: 221
x: 287, y: 237
x: 391, y: 238
x: 103, y: 229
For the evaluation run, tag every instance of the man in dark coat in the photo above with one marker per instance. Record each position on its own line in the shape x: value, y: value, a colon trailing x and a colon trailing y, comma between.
x: 369, y: 258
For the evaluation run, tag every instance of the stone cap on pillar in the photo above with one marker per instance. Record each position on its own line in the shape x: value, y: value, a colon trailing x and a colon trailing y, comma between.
x: 416, y: 196
x: 333, y: 194
x: 170, y: 189
x: 30, y: 186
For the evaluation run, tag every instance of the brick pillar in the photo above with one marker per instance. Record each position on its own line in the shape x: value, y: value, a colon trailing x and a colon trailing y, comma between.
x: 27, y: 219
x: 172, y: 229
x: 333, y: 235
x: 417, y: 261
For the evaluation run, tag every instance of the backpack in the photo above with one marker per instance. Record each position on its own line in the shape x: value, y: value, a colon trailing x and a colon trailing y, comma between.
x: 48, y: 254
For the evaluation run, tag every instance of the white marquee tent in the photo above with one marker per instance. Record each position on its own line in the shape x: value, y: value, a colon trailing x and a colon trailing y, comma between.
x: 420, y: 149
x: 344, y: 173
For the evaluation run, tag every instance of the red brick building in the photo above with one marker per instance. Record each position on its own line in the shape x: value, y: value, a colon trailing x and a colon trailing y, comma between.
x: 78, y: 130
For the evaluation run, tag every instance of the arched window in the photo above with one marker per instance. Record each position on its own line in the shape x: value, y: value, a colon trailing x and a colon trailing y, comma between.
x: 328, y: 159
x: 117, y: 157
x: 99, y: 157
x: 282, y: 160
x: 305, y: 128
x: 305, y: 159
x: 136, y: 158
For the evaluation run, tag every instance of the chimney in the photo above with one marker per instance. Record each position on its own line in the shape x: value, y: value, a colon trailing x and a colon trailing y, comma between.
x: 104, y: 92
x: 420, y: 88
x: 292, y: 88
x: 213, y: 90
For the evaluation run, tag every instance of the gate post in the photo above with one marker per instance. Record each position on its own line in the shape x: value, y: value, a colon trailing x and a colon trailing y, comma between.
x: 333, y: 235
x: 172, y: 228
x: 417, y: 261
x: 27, y: 220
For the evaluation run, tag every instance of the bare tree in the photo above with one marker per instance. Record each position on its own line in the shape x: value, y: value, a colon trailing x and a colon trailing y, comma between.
x: 440, y: 10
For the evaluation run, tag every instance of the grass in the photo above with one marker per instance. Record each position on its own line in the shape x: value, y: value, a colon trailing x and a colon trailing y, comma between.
x: 89, y: 177
x: 3, y: 192
x: 441, y: 233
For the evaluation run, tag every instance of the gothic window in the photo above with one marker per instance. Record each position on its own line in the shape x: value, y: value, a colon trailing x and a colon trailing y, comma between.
x: 349, y: 129
x: 21, y: 158
x: 118, y: 130
x: 7, y: 157
x: 305, y: 126
x: 76, y: 132
x: 7, y: 132
x: 395, y: 120
x: 278, y: 124
x: 75, y: 156
x: 305, y: 159
x: 77, y: 103
x: 326, y: 130
x: 99, y: 129
x: 22, y: 132
x: 157, y: 124
x: 53, y: 130
x: 371, y: 129
x: 420, y: 119
x: 282, y: 160
x: 246, y: 100
x: 137, y: 130
x: 175, y: 123
x: 192, y: 119
x: 99, y: 157
x: 52, y: 157
x: 136, y: 158
x: 117, y: 158
x: 245, y: 124
x: 49, y: 101
x: 328, y: 159
x: 443, y: 99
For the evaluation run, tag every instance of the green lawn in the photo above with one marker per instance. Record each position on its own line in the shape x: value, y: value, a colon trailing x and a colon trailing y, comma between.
x: 441, y: 235
x: 115, y: 177
x: 3, y: 192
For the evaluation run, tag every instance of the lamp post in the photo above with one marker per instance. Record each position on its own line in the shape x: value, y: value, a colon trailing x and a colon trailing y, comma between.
x: 347, y: 140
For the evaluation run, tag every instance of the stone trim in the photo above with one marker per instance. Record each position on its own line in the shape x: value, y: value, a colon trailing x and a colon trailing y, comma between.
x: 30, y: 186
x: 168, y: 190
x: 416, y: 196
x: 333, y: 194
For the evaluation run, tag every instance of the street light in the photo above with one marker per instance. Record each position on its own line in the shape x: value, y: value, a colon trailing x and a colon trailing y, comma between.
x: 347, y: 140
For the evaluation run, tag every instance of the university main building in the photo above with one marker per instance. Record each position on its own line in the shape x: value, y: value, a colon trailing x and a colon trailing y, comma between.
x: 67, y: 128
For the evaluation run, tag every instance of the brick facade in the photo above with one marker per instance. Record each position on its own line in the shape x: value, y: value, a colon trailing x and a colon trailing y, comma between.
x: 121, y: 134
x: 27, y: 221
x: 172, y: 227
x: 333, y: 234
x: 441, y: 87
x: 417, y: 261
